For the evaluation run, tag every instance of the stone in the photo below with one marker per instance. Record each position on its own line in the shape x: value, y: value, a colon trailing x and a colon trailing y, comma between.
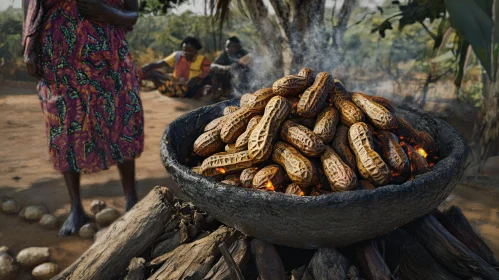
x: 88, y: 231
x: 11, y: 206
x: 33, y: 256
x: 45, y: 271
x: 48, y: 221
x: 96, y: 206
x: 4, y: 249
x: 107, y: 216
x: 33, y: 213
x: 8, y: 266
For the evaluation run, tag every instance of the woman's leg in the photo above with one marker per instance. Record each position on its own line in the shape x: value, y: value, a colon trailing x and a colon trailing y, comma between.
x: 127, y: 173
x: 76, y: 218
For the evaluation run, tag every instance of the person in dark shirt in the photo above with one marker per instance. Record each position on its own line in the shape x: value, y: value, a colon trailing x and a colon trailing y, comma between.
x: 232, y: 67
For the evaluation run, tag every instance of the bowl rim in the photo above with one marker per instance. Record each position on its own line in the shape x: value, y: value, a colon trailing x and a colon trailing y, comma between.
x: 445, y: 169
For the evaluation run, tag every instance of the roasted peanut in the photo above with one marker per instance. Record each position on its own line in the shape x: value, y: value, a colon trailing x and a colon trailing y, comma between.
x: 368, y: 161
x: 418, y: 163
x: 294, y: 189
x: 393, y: 154
x: 242, y: 140
x: 383, y: 102
x: 247, y: 176
x: 308, y: 123
x: 302, y: 138
x: 427, y: 142
x: 379, y: 116
x: 233, y: 180
x: 291, y: 85
x: 214, y: 124
x: 235, y: 124
x: 308, y: 74
x: 349, y: 113
x: 224, y: 164
x: 231, y: 148
x: 269, y: 178
x: 230, y: 109
x: 341, y: 177
x: 366, y: 185
x: 293, y: 100
x: 208, y: 143
x: 263, y: 135
x: 196, y: 169
x: 298, y: 167
x: 258, y: 100
x: 325, y: 125
x: 314, y: 98
x: 342, y: 147
x: 243, y: 102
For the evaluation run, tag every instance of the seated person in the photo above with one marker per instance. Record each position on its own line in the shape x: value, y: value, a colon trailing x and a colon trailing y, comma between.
x: 190, y: 72
x: 232, y: 65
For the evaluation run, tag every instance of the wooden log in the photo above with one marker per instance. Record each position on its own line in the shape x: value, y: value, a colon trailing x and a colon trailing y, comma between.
x: 327, y: 263
x: 124, y: 239
x: 449, y: 251
x: 174, y: 240
x: 456, y: 223
x: 136, y: 269
x: 268, y: 262
x: 193, y: 260
x: 411, y: 260
x: 372, y: 262
x: 197, y: 223
x: 241, y: 255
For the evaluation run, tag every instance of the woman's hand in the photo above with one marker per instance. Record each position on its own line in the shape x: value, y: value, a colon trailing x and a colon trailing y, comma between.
x: 32, y: 65
x: 95, y: 10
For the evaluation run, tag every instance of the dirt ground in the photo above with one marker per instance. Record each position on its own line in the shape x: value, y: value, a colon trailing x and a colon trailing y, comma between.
x: 26, y: 174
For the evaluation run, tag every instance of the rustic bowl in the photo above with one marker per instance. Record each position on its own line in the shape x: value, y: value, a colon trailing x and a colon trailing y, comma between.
x: 337, y: 219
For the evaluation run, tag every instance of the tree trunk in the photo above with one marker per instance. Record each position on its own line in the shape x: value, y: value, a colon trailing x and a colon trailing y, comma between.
x: 343, y: 18
x: 126, y: 238
x: 269, y: 34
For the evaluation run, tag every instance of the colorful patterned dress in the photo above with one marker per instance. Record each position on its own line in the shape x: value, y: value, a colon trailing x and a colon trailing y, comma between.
x: 90, y: 90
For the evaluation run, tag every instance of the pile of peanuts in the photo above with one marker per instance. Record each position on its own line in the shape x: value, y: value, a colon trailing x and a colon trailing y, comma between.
x: 309, y: 136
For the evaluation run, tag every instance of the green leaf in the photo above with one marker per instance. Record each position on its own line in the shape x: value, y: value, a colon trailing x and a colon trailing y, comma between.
x: 474, y: 24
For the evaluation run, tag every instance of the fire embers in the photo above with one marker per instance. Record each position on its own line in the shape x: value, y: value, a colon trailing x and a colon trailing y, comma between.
x: 309, y: 136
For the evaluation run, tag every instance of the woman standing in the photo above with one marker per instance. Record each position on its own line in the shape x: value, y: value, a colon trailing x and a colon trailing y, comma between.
x: 88, y: 89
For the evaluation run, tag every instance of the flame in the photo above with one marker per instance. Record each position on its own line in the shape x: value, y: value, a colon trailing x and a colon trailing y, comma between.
x: 300, y: 193
x: 269, y: 186
x: 220, y: 170
x: 422, y: 152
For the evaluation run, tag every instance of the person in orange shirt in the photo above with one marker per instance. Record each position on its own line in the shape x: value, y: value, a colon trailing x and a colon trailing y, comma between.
x: 190, y: 72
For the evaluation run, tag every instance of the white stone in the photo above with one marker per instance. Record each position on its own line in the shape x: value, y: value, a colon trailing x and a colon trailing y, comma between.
x: 45, y: 271
x: 107, y: 216
x: 48, y: 221
x: 8, y: 267
x: 33, y: 213
x: 88, y: 231
x: 11, y: 206
x: 33, y: 256
x: 96, y: 206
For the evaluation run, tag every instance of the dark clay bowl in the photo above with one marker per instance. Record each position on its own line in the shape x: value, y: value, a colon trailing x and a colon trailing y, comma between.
x: 337, y: 219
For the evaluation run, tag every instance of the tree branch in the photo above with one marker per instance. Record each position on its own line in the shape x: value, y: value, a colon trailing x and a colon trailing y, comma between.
x: 433, y: 35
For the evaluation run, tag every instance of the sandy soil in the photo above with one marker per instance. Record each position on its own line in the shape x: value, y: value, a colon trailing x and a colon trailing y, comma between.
x: 26, y: 174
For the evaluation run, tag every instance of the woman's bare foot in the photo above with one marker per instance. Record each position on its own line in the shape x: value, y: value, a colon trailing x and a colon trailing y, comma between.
x: 130, y: 202
x: 73, y: 223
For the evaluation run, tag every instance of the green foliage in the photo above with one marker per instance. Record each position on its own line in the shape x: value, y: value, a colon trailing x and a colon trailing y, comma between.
x: 158, y: 7
x: 10, y: 32
x: 473, y: 20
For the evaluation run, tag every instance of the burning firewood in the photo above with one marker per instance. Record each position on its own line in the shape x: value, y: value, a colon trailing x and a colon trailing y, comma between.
x: 372, y: 262
x: 295, y: 124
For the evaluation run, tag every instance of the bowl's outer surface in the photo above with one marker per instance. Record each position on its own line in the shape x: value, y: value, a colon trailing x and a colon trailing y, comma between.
x: 338, y: 219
